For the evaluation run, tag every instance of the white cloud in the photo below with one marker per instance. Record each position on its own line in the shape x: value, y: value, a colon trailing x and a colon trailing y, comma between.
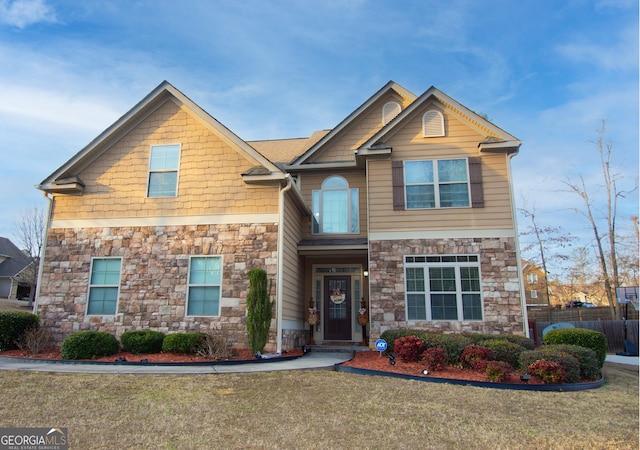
x: 22, y: 13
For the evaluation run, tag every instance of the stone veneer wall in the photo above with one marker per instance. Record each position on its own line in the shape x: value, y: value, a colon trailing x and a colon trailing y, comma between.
x: 498, y: 270
x: 153, y: 284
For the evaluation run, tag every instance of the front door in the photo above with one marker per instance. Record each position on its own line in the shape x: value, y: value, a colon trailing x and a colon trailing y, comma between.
x: 337, y: 303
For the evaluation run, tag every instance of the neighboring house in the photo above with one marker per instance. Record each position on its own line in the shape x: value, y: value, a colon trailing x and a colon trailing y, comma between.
x: 535, y: 284
x: 405, y: 208
x: 14, y: 265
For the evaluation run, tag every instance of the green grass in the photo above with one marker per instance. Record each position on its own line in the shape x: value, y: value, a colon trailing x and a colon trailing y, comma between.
x: 317, y: 409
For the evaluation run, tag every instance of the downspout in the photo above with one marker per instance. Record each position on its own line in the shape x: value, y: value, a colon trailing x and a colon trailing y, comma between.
x: 43, y: 251
x: 523, y: 298
x: 280, y: 276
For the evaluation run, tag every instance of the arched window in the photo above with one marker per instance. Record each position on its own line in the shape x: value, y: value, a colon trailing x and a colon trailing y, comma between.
x: 432, y: 124
x: 389, y: 111
x: 335, y: 207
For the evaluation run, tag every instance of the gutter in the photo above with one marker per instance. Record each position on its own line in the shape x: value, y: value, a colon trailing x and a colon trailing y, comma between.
x: 523, y: 298
x: 280, y: 276
x: 43, y: 251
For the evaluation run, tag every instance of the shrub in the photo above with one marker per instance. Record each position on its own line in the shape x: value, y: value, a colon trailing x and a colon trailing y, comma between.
x: 587, y: 359
x: 551, y: 353
x: 182, y: 342
x: 504, y: 350
x: 12, y: 325
x: 142, y: 341
x: 390, y: 336
x: 434, y: 358
x: 34, y: 340
x: 498, y: 370
x: 549, y: 371
x: 474, y: 356
x: 89, y: 345
x: 453, y: 344
x: 592, y: 339
x: 213, y: 346
x: 408, y: 348
x: 259, y: 309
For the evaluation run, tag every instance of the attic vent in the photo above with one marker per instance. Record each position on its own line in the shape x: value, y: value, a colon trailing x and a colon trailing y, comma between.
x: 432, y: 124
x: 389, y: 111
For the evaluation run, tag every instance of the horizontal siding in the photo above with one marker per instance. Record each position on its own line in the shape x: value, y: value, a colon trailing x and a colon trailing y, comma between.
x: 209, y: 177
x: 293, y: 272
x: 496, y: 213
x: 358, y: 132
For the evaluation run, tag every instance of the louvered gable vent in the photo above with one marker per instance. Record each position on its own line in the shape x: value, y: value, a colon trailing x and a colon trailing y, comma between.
x: 432, y: 124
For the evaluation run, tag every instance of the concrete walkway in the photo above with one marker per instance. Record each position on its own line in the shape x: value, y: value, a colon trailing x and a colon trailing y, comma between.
x: 314, y: 360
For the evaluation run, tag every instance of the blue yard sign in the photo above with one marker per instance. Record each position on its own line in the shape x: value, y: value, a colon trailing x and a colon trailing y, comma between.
x: 381, y: 345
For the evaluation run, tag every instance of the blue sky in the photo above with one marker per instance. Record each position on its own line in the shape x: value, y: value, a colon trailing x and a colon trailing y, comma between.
x: 546, y: 71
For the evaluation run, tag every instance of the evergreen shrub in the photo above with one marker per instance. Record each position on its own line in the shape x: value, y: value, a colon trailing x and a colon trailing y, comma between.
x: 142, y: 341
x: 13, y: 325
x: 89, y: 345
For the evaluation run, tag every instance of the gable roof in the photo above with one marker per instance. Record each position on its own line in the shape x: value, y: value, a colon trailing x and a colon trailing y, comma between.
x: 16, y: 260
x: 497, y: 140
x: 390, y: 86
x: 285, y: 150
x: 65, y: 180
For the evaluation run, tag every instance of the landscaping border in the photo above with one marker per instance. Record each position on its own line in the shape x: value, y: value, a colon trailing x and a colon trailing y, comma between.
x: 567, y: 387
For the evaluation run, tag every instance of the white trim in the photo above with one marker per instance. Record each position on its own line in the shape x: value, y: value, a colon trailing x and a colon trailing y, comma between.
x: 213, y: 219
x: 189, y: 285
x: 90, y: 286
x: 441, y: 234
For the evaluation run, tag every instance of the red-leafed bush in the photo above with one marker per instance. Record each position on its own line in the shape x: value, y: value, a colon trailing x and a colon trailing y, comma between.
x: 474, y: 355
x: 434, y: 358
x: 498, y: 371
x: 408, y: 348
x: 550, y: 372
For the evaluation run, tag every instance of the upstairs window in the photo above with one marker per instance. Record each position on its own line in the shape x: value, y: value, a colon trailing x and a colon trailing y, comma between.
x: 389, y: 111
x: 532, y: 278
x: 442, y: 183
x: 335, y: 208
x: 104, y: 284
x: 163, y: 171
x: 432, y: 124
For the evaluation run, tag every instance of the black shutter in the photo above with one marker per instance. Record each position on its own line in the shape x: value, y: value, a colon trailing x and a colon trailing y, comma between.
x: 397, y: 175
x: 475, y: 182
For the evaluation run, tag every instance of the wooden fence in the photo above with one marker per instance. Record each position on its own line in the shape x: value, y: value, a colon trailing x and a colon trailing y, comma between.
x: 614, y: 330
x: 546, y: 314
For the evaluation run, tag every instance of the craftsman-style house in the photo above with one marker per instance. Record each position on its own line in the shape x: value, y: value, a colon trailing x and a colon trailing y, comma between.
x: 402, y: 215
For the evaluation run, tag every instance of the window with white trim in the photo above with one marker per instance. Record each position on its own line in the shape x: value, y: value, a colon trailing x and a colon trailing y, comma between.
x: 389, y: 111
x: 432, y: 124
x: 443, y: 287
x: 441, y: 183
x: 534, y: 294
x: 104, y: 286
x: 205, y: 285
x: 163, y: 170
x: 335, y: 207
x: 532, y: 278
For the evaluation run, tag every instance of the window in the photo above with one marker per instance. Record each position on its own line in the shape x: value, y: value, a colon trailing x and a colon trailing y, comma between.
x: 335, y: 208
x: 389, y: 111
x: 436, y: 183
x: 532, y: 278
x: 205, y: 280
x: 163, y: 171
x: 103, y: 286
x: 443, y: 288
x: 534, y: 294
x: 432, y: 124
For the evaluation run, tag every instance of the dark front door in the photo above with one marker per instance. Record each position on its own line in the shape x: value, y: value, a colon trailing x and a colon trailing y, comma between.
x: 337, y: 304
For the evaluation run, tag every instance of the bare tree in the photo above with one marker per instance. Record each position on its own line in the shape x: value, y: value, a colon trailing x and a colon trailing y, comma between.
x: 29, y: 232
x: 544, y: 238
x: 605, y: 241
